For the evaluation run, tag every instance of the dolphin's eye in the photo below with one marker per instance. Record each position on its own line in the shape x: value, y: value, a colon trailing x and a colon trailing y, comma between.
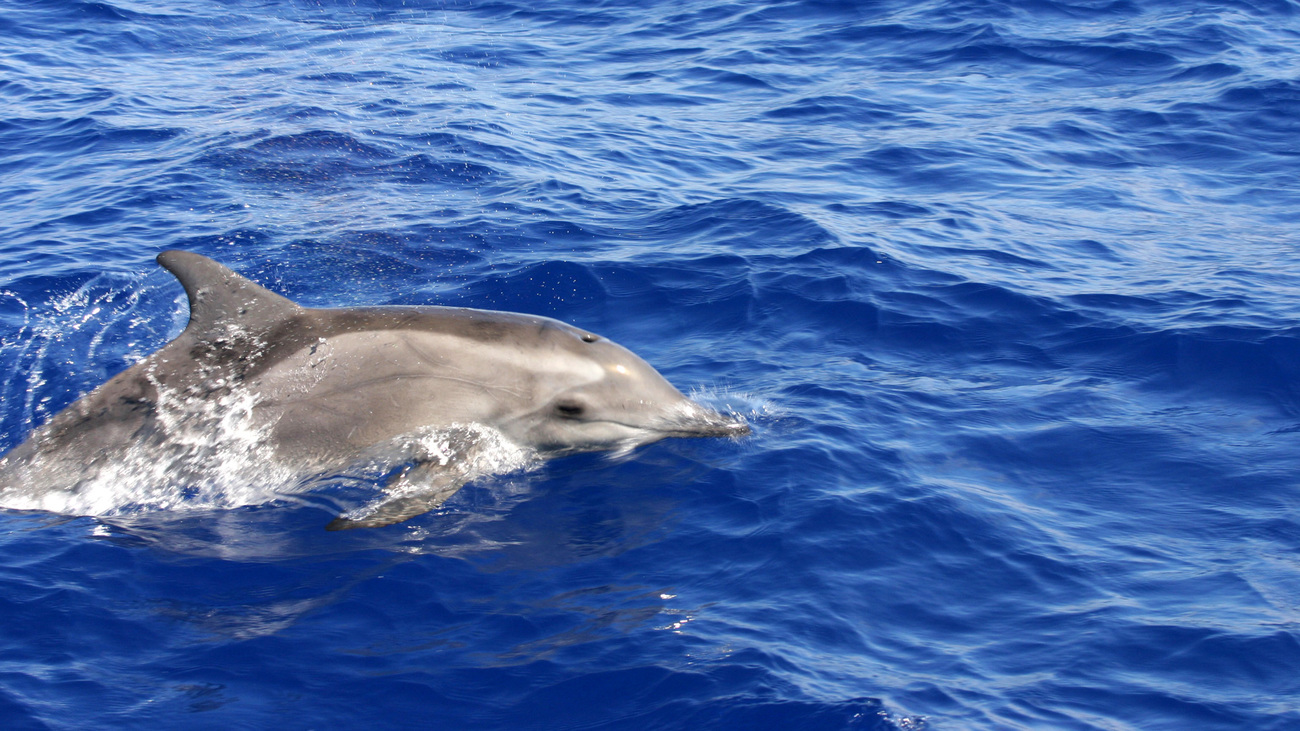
x: 569, y: 409
x: 589, y: 338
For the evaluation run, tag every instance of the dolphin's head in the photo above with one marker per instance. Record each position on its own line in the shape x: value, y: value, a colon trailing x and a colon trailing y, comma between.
x: 609, y: 399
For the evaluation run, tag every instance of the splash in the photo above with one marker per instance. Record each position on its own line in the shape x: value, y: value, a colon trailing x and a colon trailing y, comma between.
x: 113, y: 319
x: 484, y: 449
x: 203, y: 452
x: 744, y: 407
x: 438, y: 460
x: 213, y: 452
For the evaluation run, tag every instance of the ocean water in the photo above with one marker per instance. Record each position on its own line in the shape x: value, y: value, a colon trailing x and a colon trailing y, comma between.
x: 1009, y: 291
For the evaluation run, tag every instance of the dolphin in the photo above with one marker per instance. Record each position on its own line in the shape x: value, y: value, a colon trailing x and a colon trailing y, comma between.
x: 320, y: 391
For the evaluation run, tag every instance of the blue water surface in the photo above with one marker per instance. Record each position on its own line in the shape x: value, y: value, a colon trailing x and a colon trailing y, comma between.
x: 1010, y: 292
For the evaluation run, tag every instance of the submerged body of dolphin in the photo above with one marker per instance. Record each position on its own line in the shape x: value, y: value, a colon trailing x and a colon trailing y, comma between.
x: 320, y: 390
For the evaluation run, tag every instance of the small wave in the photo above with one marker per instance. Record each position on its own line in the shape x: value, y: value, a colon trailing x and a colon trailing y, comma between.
x: 331, y: 160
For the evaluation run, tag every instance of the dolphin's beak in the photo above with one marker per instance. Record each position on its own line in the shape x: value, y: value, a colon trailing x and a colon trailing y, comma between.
x: 729, y: 428
x: 700, y: 421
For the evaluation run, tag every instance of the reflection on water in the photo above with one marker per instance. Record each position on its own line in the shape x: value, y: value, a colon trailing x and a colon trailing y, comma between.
x: 529, y: 537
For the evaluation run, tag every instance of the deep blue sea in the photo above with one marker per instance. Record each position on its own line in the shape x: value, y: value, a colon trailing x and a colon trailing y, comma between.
x: 1009, y: 291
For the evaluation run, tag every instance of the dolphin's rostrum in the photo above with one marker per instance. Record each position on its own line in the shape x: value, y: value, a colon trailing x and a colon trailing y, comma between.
x: 321, y: 390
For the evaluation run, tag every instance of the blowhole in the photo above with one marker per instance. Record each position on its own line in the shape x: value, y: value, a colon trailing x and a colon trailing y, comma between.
x: 589, y: 338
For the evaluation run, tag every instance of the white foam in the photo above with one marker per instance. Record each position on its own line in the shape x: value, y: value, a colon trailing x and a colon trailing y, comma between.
x: 212, y: 455
x: 207, y: 453
x: 470, y: 450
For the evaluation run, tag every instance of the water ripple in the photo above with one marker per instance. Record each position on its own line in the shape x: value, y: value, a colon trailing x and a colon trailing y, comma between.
x: 1008, y: 288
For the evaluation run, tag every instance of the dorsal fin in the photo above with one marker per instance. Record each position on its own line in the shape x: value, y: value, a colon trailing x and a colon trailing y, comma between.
x: 217, y: 294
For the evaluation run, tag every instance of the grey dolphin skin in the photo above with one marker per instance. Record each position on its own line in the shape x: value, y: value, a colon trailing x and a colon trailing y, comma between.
x: 323, y: 389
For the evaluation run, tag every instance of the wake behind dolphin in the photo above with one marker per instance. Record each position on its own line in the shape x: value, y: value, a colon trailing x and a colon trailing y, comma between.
x: 259, y: 388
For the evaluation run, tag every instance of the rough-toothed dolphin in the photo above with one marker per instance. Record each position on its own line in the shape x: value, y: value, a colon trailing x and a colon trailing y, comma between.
x: 315, y: 391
